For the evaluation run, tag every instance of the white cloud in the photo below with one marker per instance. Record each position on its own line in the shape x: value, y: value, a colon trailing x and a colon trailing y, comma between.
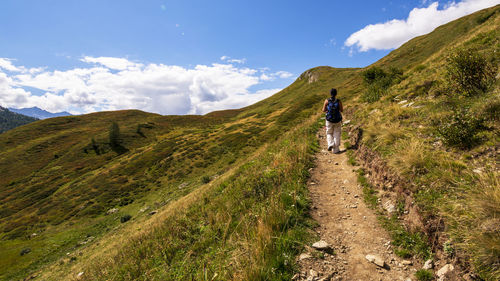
x: 231, y: 60
x: 283, y: 74
x: 116, y: 83
x: 420, y: 21
x: 7, y: 65
x: 111, y: 62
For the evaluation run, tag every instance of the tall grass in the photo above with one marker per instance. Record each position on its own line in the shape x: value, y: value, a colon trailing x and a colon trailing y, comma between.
x: 475, y: 225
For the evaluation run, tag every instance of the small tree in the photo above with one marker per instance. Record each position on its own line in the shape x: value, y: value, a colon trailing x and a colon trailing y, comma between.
x: 94, y: 145
x: 114, y: 135
x: 468, y: 71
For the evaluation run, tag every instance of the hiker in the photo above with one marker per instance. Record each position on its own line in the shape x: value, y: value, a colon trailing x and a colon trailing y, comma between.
x: 333, y: 108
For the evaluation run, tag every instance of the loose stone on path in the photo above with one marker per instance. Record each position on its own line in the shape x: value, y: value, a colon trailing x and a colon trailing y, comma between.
x: 375, y: 260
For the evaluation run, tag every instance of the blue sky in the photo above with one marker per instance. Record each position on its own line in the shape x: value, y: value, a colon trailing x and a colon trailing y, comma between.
x: 179, y: 56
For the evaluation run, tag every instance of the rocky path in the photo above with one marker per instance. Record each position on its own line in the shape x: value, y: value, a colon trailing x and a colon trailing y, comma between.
x: 349, y: 228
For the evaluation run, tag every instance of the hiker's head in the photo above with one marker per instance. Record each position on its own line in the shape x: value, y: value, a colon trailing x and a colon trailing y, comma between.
x: 333, y: 92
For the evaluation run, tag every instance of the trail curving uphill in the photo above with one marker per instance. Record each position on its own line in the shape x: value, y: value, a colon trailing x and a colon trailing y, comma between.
x: 348, y: 226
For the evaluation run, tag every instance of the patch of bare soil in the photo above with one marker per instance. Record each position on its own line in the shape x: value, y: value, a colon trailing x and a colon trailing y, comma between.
x: 348, y: 226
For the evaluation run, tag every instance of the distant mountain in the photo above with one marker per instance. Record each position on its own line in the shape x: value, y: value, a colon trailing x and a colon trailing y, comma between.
x: 10, y: 120
x: 39, y: 113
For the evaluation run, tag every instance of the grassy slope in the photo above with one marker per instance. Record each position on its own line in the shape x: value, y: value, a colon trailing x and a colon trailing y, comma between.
x: 452, y: 182
x: 58, y: 187
x: 244, y: 224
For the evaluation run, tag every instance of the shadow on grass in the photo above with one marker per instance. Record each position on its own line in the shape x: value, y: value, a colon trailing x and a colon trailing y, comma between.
x: 120, y: 149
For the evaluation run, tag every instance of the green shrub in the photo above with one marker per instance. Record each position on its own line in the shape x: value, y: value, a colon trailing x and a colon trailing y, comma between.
x: 461, y: 129
x: 378, y: 81
x: 125, y: 218
x: 469, y: 72
x: 25, y: 251
x: 205, y: 179
x: 424, y: 275
x: 491, y: 110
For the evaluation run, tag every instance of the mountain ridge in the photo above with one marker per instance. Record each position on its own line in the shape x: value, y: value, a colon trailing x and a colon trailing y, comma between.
x: 39, y: 113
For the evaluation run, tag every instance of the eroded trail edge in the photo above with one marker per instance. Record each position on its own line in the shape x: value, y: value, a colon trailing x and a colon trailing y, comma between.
x: 348, y: 226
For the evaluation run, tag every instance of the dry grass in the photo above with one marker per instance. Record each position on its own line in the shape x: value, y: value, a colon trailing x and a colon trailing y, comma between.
x: 476, y: 225
x: 412, y: 157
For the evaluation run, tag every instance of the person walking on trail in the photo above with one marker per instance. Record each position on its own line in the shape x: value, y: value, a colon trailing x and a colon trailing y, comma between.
x: 333, y: 109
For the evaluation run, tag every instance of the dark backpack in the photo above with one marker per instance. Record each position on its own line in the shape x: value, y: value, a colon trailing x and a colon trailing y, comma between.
x: 333, y: 111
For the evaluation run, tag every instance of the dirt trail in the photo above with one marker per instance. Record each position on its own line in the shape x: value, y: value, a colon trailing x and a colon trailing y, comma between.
x: 348, y: 226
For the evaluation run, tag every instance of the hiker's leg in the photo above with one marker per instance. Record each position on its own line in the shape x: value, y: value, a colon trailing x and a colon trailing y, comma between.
x: 329, y: 134
x: 336, y: 136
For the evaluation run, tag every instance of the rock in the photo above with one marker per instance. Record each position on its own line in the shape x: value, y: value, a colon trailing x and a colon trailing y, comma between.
x: 304, y: 256
x: 403, y: 102
x: 152, y: 213
x: 448, y: 268
x: 376, y: 260
x: 79, y: 274
x: 354, y: 206
x: 389, y: 207
x: 112, y: 211
x: 321, y: 245
x: 182, y: 185
x: 346, y: 122
x: 310, y: 75
x: 428, y: 265
x: 407, y: 262
x: 313, y: 273
x: 408, y: 105
x: 296, y: 276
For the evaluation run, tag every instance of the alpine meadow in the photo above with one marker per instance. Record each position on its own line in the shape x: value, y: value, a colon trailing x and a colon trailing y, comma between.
x: 131, y: 195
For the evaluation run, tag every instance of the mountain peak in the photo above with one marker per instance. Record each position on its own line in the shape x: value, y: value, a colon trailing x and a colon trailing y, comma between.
x: 38, y: 112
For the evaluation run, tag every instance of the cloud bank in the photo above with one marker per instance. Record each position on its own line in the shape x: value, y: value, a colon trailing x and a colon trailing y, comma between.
x: 110, y: 83
x: 420, y: 21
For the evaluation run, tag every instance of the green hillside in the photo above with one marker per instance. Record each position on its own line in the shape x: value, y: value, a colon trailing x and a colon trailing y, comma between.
x: 223, y: 196
x: 10, y: 120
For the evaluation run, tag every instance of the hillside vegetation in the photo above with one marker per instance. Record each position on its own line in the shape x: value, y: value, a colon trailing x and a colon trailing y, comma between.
x: 10, y: 120
x: 129, y: 195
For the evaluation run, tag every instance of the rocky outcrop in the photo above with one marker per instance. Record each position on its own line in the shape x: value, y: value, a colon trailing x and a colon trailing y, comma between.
x: 310, y: 75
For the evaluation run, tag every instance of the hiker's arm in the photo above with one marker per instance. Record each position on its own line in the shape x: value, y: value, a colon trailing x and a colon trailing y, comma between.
x: 341, y: 108
x: 324, y: 105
